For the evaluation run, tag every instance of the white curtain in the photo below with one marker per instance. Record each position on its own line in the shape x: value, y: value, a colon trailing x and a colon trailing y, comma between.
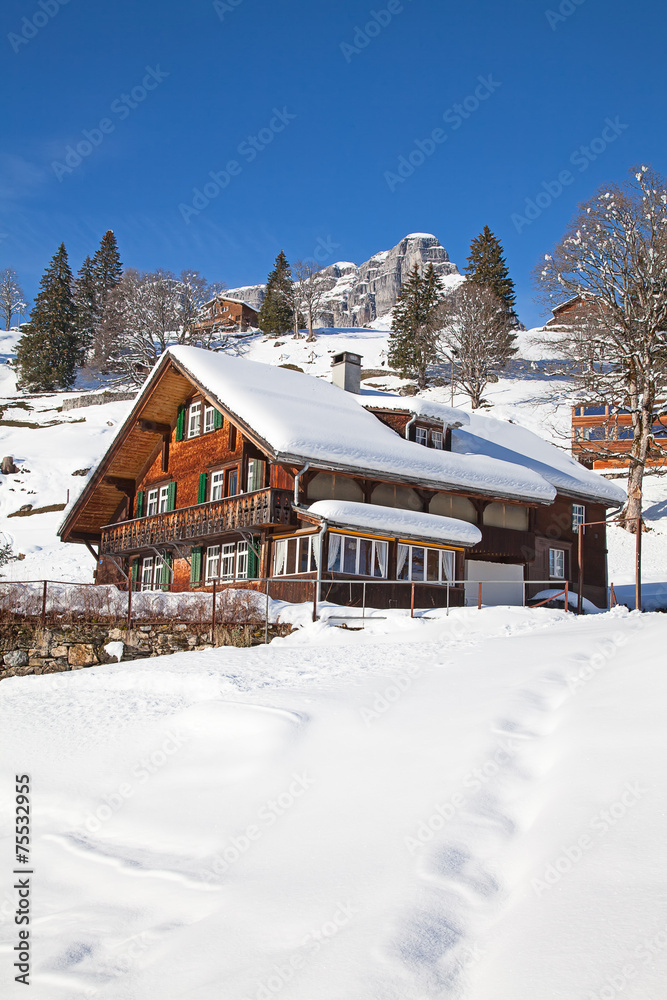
x: 279, y: 561
x: 447, y: 563
x: 381, y: 556
x: 316, y: 543
x: 402, y: 555
x: 334, y: 550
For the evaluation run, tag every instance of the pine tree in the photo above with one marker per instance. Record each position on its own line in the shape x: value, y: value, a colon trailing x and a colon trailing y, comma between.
x: 412, y: 342
x: 486, y: 266
x: 276, y: 316
x: 48, y: 353
x: 107, y: 267
x: 86, y: 304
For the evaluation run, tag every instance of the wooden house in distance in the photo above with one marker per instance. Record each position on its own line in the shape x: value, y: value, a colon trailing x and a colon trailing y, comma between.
x: 227, y: 469
x: 226, y: 314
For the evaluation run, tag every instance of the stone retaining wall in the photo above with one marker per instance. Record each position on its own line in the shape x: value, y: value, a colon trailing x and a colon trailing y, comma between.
x: 31, y: 649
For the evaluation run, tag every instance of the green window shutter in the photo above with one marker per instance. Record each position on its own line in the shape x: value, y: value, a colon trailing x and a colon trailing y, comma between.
x: 171, y: 496
x: 180, y: 424
x: 167, y: 562
x: 217, y: 420
x: 195, y: 565
x: 201, y: 490
x: 139, y: 503
x: 253, y: 560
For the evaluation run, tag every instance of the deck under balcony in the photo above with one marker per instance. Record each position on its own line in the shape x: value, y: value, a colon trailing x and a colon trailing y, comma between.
x: 262, y: 508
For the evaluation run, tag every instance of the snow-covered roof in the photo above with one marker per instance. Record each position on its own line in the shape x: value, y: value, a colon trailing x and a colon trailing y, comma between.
x: 488, y: 437
x: 396, y: 522
x: 301, y: 418
x: 230, y: 298
x: 418, y: 407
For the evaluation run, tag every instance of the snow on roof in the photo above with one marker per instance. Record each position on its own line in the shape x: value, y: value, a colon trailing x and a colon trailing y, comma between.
x: 302, y: 418
x: 513, y: 443
x: 419, y: 407
x: 221, y: 297
x: 394, y: 521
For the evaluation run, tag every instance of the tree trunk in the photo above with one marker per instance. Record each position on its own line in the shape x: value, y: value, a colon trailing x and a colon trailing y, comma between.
x: 633, y: 505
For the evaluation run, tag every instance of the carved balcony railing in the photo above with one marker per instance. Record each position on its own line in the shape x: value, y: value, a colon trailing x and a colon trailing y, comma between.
x: 190, y: 524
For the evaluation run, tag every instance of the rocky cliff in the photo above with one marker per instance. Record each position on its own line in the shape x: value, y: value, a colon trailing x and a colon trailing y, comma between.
x: 358, y: 294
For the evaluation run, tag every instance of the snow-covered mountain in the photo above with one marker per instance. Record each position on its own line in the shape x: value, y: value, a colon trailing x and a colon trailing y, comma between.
x: 356, y: 295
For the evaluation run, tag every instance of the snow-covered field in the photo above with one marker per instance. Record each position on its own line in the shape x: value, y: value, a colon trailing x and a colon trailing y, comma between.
x: 471, y: 807
x: 54, y: 451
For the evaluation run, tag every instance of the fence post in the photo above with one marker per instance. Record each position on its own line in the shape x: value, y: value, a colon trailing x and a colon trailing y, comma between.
x: 638, y: 565
x: 363, y: 602
x: 412, y: 600
x: 567, y: 596
x: 44, y: 604
x: 448, y: 598
x: 580, y: 550
x: 314, y: 600
x: 266, y: 623
x: 213, y: 611
x: 612, y: 596
x: 129, y: 602
x: 479, y: 596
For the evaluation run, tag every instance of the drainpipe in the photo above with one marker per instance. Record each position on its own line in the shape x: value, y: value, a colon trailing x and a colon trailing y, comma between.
x: 409, y: 425
x: 320, y: 537
x: 297, y: 479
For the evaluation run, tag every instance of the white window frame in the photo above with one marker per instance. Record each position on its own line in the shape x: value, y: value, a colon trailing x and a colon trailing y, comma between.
x: 253, y: 465
x: 242, y: 554
x: 163, y: 502
x: 442, y: 578
x: 421, y: 436
x: 218, y: 485
x: 280, y: 554
x: 339, y: 560
x: 194, y: 420
x: 578, y: 517
x: 148, y: 573
x: 437, y: 440
x: 212, y: 563
x: 227, y: 561
x: 556, y: 562
x: 209, y: 419
x: 152, y: 502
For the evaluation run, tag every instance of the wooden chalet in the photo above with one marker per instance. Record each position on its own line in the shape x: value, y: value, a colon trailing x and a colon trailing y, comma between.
x: 229, y: 470
x: 227, y: 314
x: 602, y: 437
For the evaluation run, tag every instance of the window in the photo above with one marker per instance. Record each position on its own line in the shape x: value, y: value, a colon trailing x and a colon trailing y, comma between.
x: 419, y: 563
x: 227, y: 559
x: 436, y: 440
x: 557, y: 563
x: 232, y: 482
x: 595, y: 411
x: 421, y: 435
x: 355, y: 556
x: 242, y: 561
x: 209, y: 419
x: 164, y: 499
x: 217, y: 485
x: 147, y: 568
x: 155, y: 573
x: 255, y: 474
x: 212, y: 562
x: 295, y: 555
x: 194, y: 420
x: 578, y: 516
x: 151, y: 502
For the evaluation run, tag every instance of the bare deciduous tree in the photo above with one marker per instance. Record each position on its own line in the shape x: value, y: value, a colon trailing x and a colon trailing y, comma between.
x: 476, y: 338
x: 309, y: 289
x: 614, y: 256
x: 12, y: 296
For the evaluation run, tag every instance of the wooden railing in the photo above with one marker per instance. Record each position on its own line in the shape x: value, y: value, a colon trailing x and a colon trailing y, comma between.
x: 247, y: 510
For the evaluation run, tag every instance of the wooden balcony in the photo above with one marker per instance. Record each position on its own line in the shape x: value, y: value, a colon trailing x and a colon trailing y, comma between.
x: 192, y: 524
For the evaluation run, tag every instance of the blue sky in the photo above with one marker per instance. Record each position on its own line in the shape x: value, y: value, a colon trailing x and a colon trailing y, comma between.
x: 311, y: 105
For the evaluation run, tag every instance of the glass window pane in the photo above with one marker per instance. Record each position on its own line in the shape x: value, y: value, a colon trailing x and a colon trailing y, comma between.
x: 420, y: 435
x: 291, y: 555
x: 433, y: 565
x: 380, y: 563
x: 436, y: 439
x: 417, y: 563
x: 151, y: 506
x: 403, y: 562
x: 304, y: 552
x: 217, y: 484
x: 349, y: 556
x: 242, y: 561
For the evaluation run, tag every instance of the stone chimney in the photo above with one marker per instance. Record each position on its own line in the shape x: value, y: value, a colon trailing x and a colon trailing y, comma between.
x: 346, y: 371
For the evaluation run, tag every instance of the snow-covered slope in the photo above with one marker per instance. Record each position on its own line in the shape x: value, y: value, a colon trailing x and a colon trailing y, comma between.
x: 465, y: 809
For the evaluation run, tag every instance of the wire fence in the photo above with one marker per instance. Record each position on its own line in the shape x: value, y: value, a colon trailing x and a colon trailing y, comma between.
x: 262, y: 601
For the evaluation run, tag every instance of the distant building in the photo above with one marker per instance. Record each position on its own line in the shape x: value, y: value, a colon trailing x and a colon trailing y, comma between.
x: 602, y: 437
x: 227, y: 314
